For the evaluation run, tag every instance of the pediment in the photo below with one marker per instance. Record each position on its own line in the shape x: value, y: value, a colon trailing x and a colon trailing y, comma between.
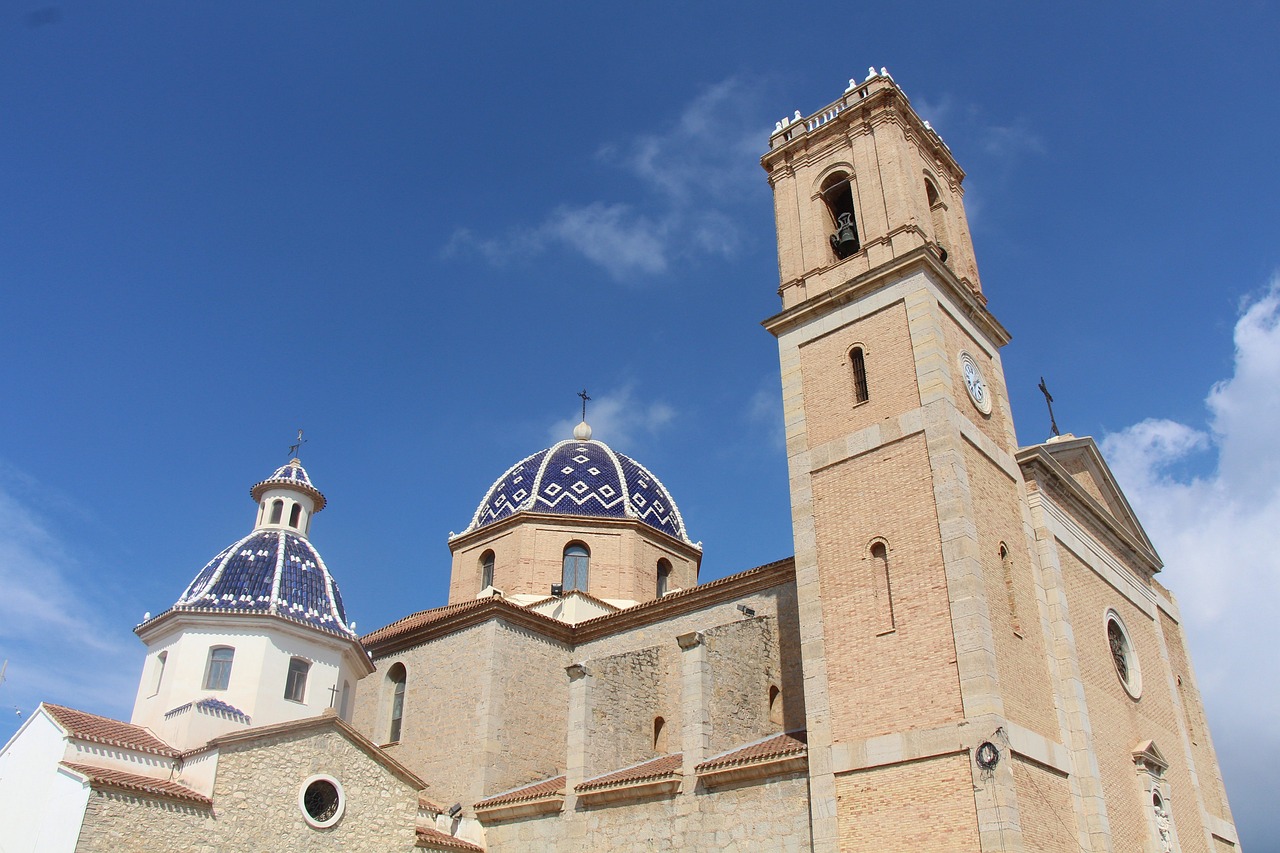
x: 1147, y: 755
x: 1079, y: 463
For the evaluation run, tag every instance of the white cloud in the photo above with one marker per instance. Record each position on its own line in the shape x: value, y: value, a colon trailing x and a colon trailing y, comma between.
x: 51, y: 629
x: 618, y: 419
x: 694, y: 171
x: 1219, y: 535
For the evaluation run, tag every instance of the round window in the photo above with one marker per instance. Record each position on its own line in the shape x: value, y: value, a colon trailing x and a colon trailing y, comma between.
x: 322, y: 801
x: 1122, y: 655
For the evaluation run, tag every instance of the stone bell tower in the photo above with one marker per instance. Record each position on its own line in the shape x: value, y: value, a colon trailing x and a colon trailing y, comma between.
x: 920, y: 629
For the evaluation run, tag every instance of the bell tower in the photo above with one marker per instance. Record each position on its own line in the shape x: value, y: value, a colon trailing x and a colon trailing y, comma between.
x: 920, y: 628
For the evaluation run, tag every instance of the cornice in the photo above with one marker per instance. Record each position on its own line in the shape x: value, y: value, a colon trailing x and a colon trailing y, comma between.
x: 967, y: 301
x: 517, y: 519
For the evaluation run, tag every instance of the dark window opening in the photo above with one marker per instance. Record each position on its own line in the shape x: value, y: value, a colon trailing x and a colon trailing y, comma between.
x: 397, y: 676
x: 858, y: 361
x: 295, y: 683
x: 295, y: 515
x: 486, y: 569
x: 664, y: 577
x: 659, y: 735
x: 277, y: 511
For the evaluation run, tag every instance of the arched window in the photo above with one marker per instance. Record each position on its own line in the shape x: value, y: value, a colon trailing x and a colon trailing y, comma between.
x: 576, y: 560
x: 295, y: 515
x: 396, y: 679
x: 659, y: 735
x: 938, y: 212
x: 1122, y: 655
x: 218, y: 674
x: 277, y: 511
x: 295, y: 683
x: 344, y: 709
x: 858, y: 364
x: 161, y: 660
x: 1006, y: 563
x: 486, y: 569
x: 883, y: 587
x: 837, y: 193
x: 664, y: 577
x: 775, y: 704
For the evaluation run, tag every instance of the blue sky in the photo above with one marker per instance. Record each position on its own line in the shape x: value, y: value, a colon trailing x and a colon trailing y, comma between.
x: 418, y: 230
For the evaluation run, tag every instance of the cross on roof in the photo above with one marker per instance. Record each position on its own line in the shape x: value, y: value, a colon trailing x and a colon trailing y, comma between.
x: 585, y: 398
x: 293, y: 448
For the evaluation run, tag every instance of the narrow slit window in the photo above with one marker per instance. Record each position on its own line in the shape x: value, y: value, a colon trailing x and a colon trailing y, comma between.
x: 858, y: 363
x: 295, y: 516
x: 883, y: 586
x: 277, y: 511
x: 1006, y: 563
x: 396, y: 679
x: 938, y: 213
x: 659, y: 735
x: 487, y: 560
x: 664, y: 577
x: 775, y: 704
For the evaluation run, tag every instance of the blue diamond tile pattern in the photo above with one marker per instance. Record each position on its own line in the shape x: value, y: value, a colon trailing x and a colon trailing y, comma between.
x: 269, y: 571
x: 582, y: 478
x: 292, y: 474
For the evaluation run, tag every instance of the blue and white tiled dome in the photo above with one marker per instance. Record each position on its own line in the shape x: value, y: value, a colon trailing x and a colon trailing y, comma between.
x: 272, y: 570
x: 269, y: 571
x: 582, y: 477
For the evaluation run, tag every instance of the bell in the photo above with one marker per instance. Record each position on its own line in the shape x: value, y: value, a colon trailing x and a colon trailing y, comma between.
x: 845, y: 241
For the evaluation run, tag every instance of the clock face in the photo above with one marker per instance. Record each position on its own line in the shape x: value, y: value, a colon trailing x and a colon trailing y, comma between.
x: 979, y: 391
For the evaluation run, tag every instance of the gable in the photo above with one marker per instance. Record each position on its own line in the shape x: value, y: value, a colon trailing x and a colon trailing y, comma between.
x: 1078, y: 466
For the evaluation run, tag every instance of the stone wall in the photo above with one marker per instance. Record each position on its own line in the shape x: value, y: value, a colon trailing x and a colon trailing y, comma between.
x: 743, y: 660
x: 771, y: 815
x: 255, y: 805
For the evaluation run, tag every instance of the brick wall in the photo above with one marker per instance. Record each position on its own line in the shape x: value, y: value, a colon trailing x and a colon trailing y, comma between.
x: 923, y: 805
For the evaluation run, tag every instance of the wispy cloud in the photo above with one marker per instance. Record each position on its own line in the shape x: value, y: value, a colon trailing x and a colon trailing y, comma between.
x: 51, y: 627
x: 619, y: 419
x: 1219, y: 534
x: 692, y: 172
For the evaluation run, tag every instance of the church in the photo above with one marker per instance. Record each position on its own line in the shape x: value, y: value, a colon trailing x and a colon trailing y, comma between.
x: 969, y: 651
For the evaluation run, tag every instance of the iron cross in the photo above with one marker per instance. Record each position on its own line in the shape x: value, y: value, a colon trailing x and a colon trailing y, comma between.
x: 585, y: 398
x: 1048, y: 399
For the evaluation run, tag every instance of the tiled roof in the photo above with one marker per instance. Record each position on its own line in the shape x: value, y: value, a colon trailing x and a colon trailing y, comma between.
x: 664, y: 765
x: 269, y: 571
x: 216, y: 706
x: 417, y: 620
x: 437, y: 840
x: 583, y: 478
x: 102, y: 776
x: 426, y: 804
x: 535, y: 791
x: 778, y: 746
x: 91, y: 727
x: 290, y: 474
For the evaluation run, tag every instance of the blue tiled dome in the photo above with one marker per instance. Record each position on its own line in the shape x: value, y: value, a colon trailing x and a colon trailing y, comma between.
x: 582, y: 478
x: 269, y: 571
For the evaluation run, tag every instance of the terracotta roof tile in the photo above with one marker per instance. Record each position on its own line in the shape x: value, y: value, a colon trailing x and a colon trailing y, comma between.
x: 102, y: 776
x: 427, y: 804
x: 778, y: 746
x: 535, y: 791
x: 91, y: 727
x: 434, y: 838
x: 416, y: 620
x: 664, y: 765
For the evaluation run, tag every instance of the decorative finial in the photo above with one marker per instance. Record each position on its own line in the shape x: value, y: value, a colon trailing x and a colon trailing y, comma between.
x: 1048, y: 399
x: 585, y: 398
x: 871, y: 73
x: 293, y: 448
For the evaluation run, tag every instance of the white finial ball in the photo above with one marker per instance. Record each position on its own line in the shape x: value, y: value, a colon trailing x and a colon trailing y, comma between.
x: 797, y: 116
x: 582, y: 432
x: 871, y: 72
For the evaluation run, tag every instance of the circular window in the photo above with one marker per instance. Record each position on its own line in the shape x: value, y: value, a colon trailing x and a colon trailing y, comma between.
x: 322, y: 801
x: 1122, y: 655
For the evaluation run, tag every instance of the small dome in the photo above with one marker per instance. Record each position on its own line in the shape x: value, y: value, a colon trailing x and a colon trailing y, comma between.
x: 290, y: 474
x: 582, y: 478
x: 269, y: 571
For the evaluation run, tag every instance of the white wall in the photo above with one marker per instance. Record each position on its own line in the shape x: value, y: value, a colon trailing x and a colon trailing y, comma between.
x: 41, y: 805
